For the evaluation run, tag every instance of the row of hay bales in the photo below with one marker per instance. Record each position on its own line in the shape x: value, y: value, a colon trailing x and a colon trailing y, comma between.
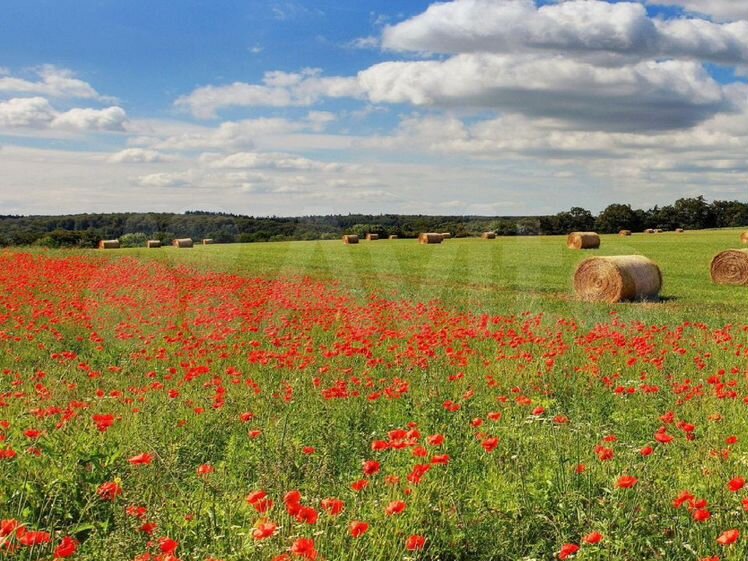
x: 635, y: 277
x: 152, y: 244
x: 425, y: 238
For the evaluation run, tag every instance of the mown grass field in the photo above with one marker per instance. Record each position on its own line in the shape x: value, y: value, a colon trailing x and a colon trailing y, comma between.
x: 383, y: 401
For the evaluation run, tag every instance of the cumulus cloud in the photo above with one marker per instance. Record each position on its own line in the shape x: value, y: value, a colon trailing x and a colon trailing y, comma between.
x: 649, y: 95
x: 278, y: 89
x: 86, y: 119
x: 26, y: 112
x: 270, y: 160
x: 165, y: 179
x: 137, y: 156
x: 51, y: 82
x: 582, y: 28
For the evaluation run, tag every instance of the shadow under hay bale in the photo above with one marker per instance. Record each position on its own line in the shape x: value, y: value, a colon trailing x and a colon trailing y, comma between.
x: 583, y: 240
x: 372, y: 237
x: 428, y: 238
x: 617, y: 279
x: 488, y: 235
x: 153, y: 243
x: 109, y: 244
x: 350, y: 239
x: 624, y: 233
x: 183, y: 242
x: 730, y: 267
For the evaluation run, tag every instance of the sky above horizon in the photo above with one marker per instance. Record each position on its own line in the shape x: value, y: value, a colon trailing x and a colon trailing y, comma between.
x: 265, y: 107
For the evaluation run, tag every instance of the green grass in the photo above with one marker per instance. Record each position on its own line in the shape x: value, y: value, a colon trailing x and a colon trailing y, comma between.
x: 502, y: 276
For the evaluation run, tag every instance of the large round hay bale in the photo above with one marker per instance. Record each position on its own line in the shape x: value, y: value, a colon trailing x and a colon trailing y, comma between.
x: 393, y: 237
x: 744, y: 237
x: 488, y: 235
x: 109, y: 244
x: 583, y: 240
x: 679, y: 230
x: 624, y: 233
x: 446, y: 235
x: 350, y: 239
x: 153, y: 243
x: 658, y: 231
x: 183, y: 242
x: 731, y: 267
x: 208, y: 241
x: 372, y: 237
x: 429, y: 238
x: 617, y: 278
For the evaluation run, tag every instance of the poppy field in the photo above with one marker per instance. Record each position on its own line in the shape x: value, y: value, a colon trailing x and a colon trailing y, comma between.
x: 309, y: 401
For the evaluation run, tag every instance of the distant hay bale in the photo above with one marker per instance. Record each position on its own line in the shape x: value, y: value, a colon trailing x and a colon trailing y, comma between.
x: 153, y: 243
x: 350, y: 239
x: 624, y: 233
x: 372, y: 237
x: 649, y: 231
x: 618, y: 278
x: 744, y: 237
x: 446, y: 235
x: 429, y: 238
x: 488, y: 235
x: 731, y: 267
x: 183, y: 242
x: 679, y: 230
x: 393, y: 237
x: 583, y: 240
x: 208, y: 241
x: 109, y: 244
x: 658, y: 230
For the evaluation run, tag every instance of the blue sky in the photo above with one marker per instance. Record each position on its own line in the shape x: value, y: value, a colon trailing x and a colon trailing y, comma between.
x: 284, y: 107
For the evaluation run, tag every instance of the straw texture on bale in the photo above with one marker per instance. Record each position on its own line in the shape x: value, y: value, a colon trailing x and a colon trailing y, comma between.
x: 109, y: 244
x: 429, y: 238
x: 583, y: 240
x: 183, y: 242
x: 744, y: 237
x: 624, y: 233
x: 488, y: 235
x: 617, y: 278
x: 350, y: 239
x: 372, y: 237
x: 679, y: 230
x: 153, y: 243
x: 446, y: 235
x: 393, y: 237
x: 731, y: 267
x: 649, y: 231
x: 208, y: 241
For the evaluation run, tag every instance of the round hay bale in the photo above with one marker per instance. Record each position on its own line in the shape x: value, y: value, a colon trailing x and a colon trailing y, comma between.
x: 109, y: 244
x: 488, y: 235
x: 372, y: 237
x: 183, y: 242
x: 617, y: 278
x: 624, y: 233
x: 658, y: 230
x: 153, y: 243
x: 429, y: 238
x: 208, y: 241
x: 679, y: 230
x: 393, y: 237
x: 446, y: 235
x: 583, y: 240
x: 649, y: 231
x: 731, y: 267
x: 350, y: 239
x: 744, y: 237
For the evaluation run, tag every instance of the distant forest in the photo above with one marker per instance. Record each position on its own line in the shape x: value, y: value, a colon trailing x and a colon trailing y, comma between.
x: 85, y: 230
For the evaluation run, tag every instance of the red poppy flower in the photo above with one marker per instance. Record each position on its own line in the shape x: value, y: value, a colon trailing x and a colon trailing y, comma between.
x: 143, y: 459
x: 109, y: 491
x: 395, y: 507
x: 32, y: 538
x: 490, y: 444
x: 415, y: 542
x: 264, y: 529
x: 728, y: 537
x: 626, y: 482
x: 167, y: 545
x: 567, y: 550
x: 593, y: 538
x: 67, y: 548
x: 736, y: 484
x: 304, y: 547
x: 7, y: 527
x: 358, y: 528
x: 371, y: 467
x: 332, y: 506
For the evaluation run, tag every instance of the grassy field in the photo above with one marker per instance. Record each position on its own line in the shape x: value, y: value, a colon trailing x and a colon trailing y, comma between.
x: 310, y: 400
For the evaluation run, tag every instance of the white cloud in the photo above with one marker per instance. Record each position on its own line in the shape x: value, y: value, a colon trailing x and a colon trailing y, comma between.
x: 26, y: 112
x: 53, y: 82
x: 582, y: 28
x: 278, y: 89
x: 165, y: 180
x: 137, y: 156
x: 270, y: 160
x: 86, y: 119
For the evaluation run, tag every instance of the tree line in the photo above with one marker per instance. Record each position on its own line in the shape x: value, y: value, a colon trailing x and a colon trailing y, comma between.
x: 85, y: 230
